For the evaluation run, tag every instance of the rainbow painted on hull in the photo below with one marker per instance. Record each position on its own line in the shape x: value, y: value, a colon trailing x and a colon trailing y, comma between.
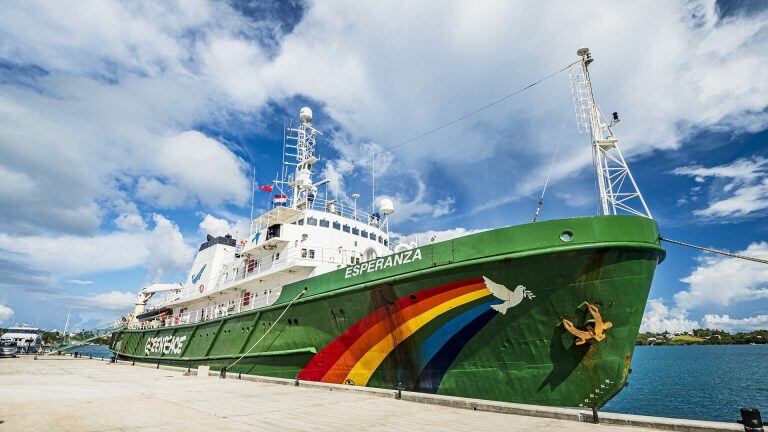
x: 354, y: 356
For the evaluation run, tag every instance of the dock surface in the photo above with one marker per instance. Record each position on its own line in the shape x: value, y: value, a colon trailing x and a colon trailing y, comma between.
x: 66, y: 394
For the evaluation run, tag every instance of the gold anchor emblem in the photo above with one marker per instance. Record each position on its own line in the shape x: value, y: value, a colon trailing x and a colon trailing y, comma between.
x: 594, y: 332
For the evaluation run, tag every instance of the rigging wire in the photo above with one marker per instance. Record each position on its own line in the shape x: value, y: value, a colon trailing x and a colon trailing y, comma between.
x: 551, y: 166
x: 715, y: 251
x: 471, y: 113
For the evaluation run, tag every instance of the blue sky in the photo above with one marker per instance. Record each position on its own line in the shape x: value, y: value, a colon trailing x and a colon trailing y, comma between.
x: 128, y: 131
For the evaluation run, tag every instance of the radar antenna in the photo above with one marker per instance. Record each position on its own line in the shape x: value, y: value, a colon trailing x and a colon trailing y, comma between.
x: 618, y: 190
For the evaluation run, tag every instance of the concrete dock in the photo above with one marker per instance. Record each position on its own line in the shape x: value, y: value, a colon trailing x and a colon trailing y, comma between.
x: 66, y: 394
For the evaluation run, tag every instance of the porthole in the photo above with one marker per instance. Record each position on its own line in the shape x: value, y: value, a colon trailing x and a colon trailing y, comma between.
x: 566, y: 236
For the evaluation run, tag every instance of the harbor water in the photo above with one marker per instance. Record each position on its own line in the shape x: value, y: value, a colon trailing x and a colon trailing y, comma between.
x: 701, y: 382
x: 101, y: 351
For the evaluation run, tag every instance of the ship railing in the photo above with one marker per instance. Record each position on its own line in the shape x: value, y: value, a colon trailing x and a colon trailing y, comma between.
x: 257, y: 298
x: 340, y: 209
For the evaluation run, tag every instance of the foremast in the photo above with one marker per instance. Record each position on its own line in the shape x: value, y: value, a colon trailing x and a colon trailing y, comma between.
x: 615, y: 183
x: 300, y: 150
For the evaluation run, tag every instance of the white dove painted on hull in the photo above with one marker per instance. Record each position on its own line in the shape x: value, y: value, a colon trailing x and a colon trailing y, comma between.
x: 510, y: 298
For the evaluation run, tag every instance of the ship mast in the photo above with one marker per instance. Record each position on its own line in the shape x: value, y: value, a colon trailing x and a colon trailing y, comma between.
x: 300, y: 146
x: 617, y: 188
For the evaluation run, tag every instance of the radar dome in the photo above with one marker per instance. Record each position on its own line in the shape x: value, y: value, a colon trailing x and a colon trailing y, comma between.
x: 305, y: 114
x: 386, y: 206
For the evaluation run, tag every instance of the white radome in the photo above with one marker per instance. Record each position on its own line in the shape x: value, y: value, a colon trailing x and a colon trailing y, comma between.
x: 305, y: 114
x: 386, y: 206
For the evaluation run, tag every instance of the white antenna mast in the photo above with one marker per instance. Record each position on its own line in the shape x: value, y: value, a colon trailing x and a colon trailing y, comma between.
x: 253, y: 192
x: 373, y: 184
x: 301, y: 140
x: 618, y: 190
x: 66, y: 324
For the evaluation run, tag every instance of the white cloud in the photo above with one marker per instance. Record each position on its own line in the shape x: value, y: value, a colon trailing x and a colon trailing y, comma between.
x: 426, y: 237
x: 659, y: 318
x: 220, y: 227
x: 720, y: 281
x: 726, y: 323
x: 740, y: 189
x: 159, y: 194
x: 203, y: 166
x: 5, y: 313
x: 79, y: 282
x: 162, y: 249
x: 107, y: 301
x: 130, y: 222
x: 167, y: 251
x: 719, y: 284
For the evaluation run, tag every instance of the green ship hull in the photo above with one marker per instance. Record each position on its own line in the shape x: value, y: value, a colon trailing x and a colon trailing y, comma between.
x: 432, y: 320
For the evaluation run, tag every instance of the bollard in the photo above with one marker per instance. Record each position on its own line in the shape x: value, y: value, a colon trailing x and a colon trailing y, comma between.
x: 113, y: 360
x: 595, y: 418
x: 399, y: 388
x: 750, y: 418
x: 223, y: 372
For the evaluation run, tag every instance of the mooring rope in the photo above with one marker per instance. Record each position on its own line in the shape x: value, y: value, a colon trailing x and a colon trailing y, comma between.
x: 301, y: 293
x: 715, y: 251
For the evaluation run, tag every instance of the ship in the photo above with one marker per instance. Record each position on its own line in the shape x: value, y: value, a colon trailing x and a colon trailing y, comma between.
x: 24, y: 337
x: 543, y: 313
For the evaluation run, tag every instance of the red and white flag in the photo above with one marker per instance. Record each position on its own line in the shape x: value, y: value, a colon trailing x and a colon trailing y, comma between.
x: 266, y: 188
x: 279, y: 199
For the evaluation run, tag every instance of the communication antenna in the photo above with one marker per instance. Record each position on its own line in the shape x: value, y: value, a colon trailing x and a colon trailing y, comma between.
x: 373, y: 184
x: 253, y: 192
x: 355, y: 196
x: 618, y: 190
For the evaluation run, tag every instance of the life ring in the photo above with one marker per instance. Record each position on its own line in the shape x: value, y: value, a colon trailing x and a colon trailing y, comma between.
x: 202, y: 288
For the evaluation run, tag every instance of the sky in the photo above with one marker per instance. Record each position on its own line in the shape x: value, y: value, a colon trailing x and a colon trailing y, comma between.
x: 128, y: 131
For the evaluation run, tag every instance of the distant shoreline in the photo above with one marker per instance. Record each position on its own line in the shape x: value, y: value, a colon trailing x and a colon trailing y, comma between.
x: 703, y: 337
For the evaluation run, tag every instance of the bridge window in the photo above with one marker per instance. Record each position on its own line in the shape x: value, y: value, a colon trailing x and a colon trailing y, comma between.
x: 345, y: 228
x: 300, y: 222
x: 364, y: 234
x: 311, y: 254
x: 373, y: 236
x: 336, y: 226
x: 324, y: 223
x: 311, y: 221
x: 386, y: 242
x: 355, y: 231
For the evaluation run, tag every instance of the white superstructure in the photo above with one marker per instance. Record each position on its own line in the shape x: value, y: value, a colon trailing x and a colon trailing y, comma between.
x: 301, y: 236
x: 28, y: 339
